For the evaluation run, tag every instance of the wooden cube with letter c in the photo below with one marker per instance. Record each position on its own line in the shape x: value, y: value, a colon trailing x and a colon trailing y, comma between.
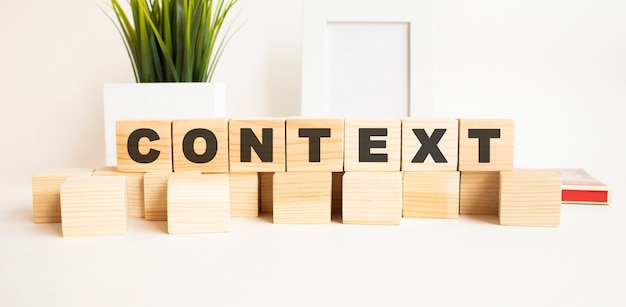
x: 144, y: 145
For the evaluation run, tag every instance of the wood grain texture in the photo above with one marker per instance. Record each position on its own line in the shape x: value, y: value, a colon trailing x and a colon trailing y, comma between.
x: 244, y: 194
x: 266, y: 192
x: 134, y: 189
x: 256, y: 165
x: 94, y: 206
x: 330, y: 149
x: 391, y: 149
x: 302, y: 197
x: 372, y: 198
x: 448, y: 144
x: 501, y: 149
x: 218, y: 127
x: 198, y: 203
x: 46, y: 188
x: 431, y: 195
x: 530, y: 198
x: 155, y: 195
x: 479, y: 193
x: 164, y: 145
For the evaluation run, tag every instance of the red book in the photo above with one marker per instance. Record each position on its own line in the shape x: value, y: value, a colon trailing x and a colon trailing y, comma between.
x: 579, y: 187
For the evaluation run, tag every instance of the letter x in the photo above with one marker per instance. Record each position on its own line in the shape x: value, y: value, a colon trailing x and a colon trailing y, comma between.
x: 429, y: 146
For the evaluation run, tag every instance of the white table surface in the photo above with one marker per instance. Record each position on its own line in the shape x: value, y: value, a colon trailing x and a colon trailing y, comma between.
x: 422, y: 262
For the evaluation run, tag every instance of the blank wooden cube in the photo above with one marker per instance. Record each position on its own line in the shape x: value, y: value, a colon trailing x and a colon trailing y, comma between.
x: 155, y: 195
x: 302, y: 197
x: 198, y: 203
x: 372, y: 198
x: 530, y: 198
x: 479, y: 193
x: 486, y: 144
x: 430, y: 144
x: 431, y: 195
x: 200, y: 145
x: 257, y: 145
x: 94, y: 206
x: 372, y: 145
x: 244, y: 194
x: 134, y: 188
x: 144, y: 145
x: 266, y: 192
x: 46, y: 186
x: 314, y: 144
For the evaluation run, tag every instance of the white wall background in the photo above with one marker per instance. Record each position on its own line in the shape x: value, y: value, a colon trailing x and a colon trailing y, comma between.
x: 557, y: 67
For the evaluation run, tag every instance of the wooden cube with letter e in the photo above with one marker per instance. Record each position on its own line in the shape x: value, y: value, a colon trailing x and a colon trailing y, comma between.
x: 257, y: 145
x: 430, y: 144
x: 144, y: 145
x: 372, y: 145
x: 314, y: 144
x: 200, y: 145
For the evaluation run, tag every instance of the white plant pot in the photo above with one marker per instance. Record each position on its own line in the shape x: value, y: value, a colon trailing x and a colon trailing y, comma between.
x: 159, y: 101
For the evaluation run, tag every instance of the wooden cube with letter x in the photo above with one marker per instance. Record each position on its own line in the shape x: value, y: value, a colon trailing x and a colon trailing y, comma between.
x: 430, y: 144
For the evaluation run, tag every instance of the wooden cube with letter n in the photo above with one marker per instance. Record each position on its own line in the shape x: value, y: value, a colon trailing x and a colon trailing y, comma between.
x: 200, y: 145
x: 314, y: 144
x: 431, y: 194
x: 372, y: 145
x: 257, y: 145
x: 372, y: 198
x: 144, y: 145
x: 430, y: 144
x: 530, y: 198
x: 46, y: 187
x: 486, y: 144
x: 302, y: 197
x: 94, y: 206
x: 198, y: 203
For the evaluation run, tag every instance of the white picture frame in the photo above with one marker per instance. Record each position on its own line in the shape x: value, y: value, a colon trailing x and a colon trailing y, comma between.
x: 317, y: 14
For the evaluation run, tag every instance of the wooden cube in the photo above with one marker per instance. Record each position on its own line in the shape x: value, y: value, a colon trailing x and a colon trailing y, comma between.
x: 430, y: 144
x: 200, y: 145
x: 134, y: 189
x: 244, y: 194
x: 530, y: 198
x: 94, y: 206
x: 479, y: 193
x: 144, y: 145
x: 431, y: 195
x: 486, y: 144
x: 314, y: 144
x: 257, y: 145
x: 372, y: 145
x: 372, y: 198
x: 198, y: 203
x: 155, y: 195
x: 46, y: 186
x: 302, y: 197
x: 266, y: 192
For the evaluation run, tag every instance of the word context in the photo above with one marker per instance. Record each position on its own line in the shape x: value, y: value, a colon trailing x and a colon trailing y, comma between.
x: 196, y: 174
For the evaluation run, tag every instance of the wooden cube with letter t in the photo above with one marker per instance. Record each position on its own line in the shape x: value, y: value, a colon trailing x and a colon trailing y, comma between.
x: 372, y: 145
x: 430, y: 144
x: 314, y: 144
x: 257, y: 145
x: 486, y: 144
x: 200, y: 145
x: 144, y: 145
